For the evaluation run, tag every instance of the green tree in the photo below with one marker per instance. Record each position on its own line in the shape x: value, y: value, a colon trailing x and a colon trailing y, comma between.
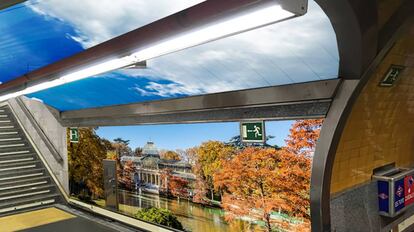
x: 85, y: 161
x: 120, y: 140
x: 236, y: 142
x: 121, y: 147
x: 159, y: 216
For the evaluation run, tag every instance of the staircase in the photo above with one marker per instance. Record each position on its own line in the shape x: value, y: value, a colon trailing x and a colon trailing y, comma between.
x: 24, y: 181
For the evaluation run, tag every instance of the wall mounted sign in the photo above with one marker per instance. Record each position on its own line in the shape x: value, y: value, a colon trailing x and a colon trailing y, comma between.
x: 392, y: 75
x: 395, y: 191
x: 252, y: 132
x: 74, y: 135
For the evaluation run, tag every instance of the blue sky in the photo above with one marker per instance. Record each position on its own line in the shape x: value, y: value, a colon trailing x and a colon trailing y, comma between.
x: 38, y: 33
x: 42, y: 32
x: 181, y: 136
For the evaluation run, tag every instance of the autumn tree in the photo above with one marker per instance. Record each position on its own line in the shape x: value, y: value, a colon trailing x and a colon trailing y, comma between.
x: 138, y: 151
x: 170, y: 155
x: 295, y: 174
x: 209, y: 160
x: 174, y: 185
x: 303, y: 136
x: 85, y: 161
x: 127, y: 178
x: 250, y: 185
x: 188, y: 155
x: 121, y: 147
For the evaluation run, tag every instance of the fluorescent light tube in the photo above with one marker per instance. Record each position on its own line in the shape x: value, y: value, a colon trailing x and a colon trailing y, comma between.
x: 255, y: 19
x: 259, y: 18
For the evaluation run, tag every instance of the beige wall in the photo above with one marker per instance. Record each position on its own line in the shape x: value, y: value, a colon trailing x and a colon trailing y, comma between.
x: 380, y: 129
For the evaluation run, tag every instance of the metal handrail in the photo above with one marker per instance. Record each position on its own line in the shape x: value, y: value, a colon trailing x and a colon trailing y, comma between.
x: 39, y: 130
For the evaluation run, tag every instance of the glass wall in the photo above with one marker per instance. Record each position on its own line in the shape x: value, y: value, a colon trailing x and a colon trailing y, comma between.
x: 201, y: 177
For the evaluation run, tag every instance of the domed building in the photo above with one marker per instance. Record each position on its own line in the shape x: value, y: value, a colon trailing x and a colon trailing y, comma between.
x: 150, y: 166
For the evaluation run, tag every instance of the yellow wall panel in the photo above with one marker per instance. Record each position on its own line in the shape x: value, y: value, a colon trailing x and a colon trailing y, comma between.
x: 380, y: 128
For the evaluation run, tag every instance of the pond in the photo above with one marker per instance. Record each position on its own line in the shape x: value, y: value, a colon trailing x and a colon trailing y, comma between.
x: 194, y: 217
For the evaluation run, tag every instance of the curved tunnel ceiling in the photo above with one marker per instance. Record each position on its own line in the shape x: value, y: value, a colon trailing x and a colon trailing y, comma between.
x: 38, y: 33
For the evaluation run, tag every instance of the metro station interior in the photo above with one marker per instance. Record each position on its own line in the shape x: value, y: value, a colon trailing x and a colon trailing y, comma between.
x: 89, y: 64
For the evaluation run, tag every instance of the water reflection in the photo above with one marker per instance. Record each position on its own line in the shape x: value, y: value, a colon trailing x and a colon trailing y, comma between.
x: 194, y: 217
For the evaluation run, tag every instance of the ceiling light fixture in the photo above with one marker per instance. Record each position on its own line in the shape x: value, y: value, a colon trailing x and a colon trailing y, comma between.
x: 251, y: 16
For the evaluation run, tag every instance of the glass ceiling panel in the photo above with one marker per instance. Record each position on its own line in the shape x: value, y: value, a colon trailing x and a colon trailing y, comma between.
x: 298, y: 50
x: 40, y: 32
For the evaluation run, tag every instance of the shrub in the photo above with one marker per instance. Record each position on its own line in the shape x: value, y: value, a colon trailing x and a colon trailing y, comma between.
x: 159, y: 216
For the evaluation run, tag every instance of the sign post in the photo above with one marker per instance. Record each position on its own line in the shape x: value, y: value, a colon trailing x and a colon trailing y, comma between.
x: 252, y: 132
x: 74, y: 135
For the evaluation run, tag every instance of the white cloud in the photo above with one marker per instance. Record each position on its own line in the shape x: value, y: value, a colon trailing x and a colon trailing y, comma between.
x: 165, y: 90
x: 98, y: 21
x: 297, y: 50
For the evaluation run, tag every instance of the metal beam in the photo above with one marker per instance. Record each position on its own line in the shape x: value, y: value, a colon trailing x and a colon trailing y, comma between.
x: 8, y: 3
x: 355, y: 25
x: 317, y: 109
x: 331, y: 133
x: 243, y: 100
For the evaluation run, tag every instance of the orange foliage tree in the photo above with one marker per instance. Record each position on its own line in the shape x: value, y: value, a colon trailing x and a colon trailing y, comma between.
x: 174, y: 185
x: 250, y: 186
x: 303, y: 136
x: 128, y: 172
x: 210, y: 157
x: 257, y: 182
x: 170, y: 155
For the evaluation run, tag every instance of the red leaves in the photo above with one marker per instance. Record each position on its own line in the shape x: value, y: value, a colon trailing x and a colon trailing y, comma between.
x: 126, y: 178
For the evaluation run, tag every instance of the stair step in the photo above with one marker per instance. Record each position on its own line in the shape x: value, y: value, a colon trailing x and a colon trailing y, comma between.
x: 12, y: 145
x: 23, y: 183
x: 33, y: 193
x: 21, y: 172
x: 12, y: 157
x: 7, y: 127
x: 28, y: 175
x: 29, y: 202
x: 9, y: 133
x: 17, y: 160
x: 19, y: 165
x: 10, y: 139
x: 14, y: 152
x: 13, y: 192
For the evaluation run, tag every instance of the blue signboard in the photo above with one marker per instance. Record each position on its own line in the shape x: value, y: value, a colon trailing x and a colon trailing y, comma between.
x: 399, y: 197
x: 383, y: 196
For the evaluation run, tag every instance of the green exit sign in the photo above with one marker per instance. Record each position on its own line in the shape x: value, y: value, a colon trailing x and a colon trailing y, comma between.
x: 74, y: 135
x: 392, y: 75
x: 252, y: 132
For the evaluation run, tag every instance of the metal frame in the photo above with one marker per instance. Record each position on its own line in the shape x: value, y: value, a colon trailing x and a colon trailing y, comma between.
x: 8, y: 3
x: 304, y: 100
x: 187, y: 20
x: 401, y: 174
x: 330, y: 136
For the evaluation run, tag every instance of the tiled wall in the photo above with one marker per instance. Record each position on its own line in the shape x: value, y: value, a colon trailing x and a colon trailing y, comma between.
x: 380, y: 129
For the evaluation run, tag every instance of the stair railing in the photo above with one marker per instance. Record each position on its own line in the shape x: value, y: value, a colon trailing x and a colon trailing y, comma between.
x: 39, y: 130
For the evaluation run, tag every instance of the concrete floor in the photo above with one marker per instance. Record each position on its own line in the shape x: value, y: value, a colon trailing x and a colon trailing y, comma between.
x: 52, y: 220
